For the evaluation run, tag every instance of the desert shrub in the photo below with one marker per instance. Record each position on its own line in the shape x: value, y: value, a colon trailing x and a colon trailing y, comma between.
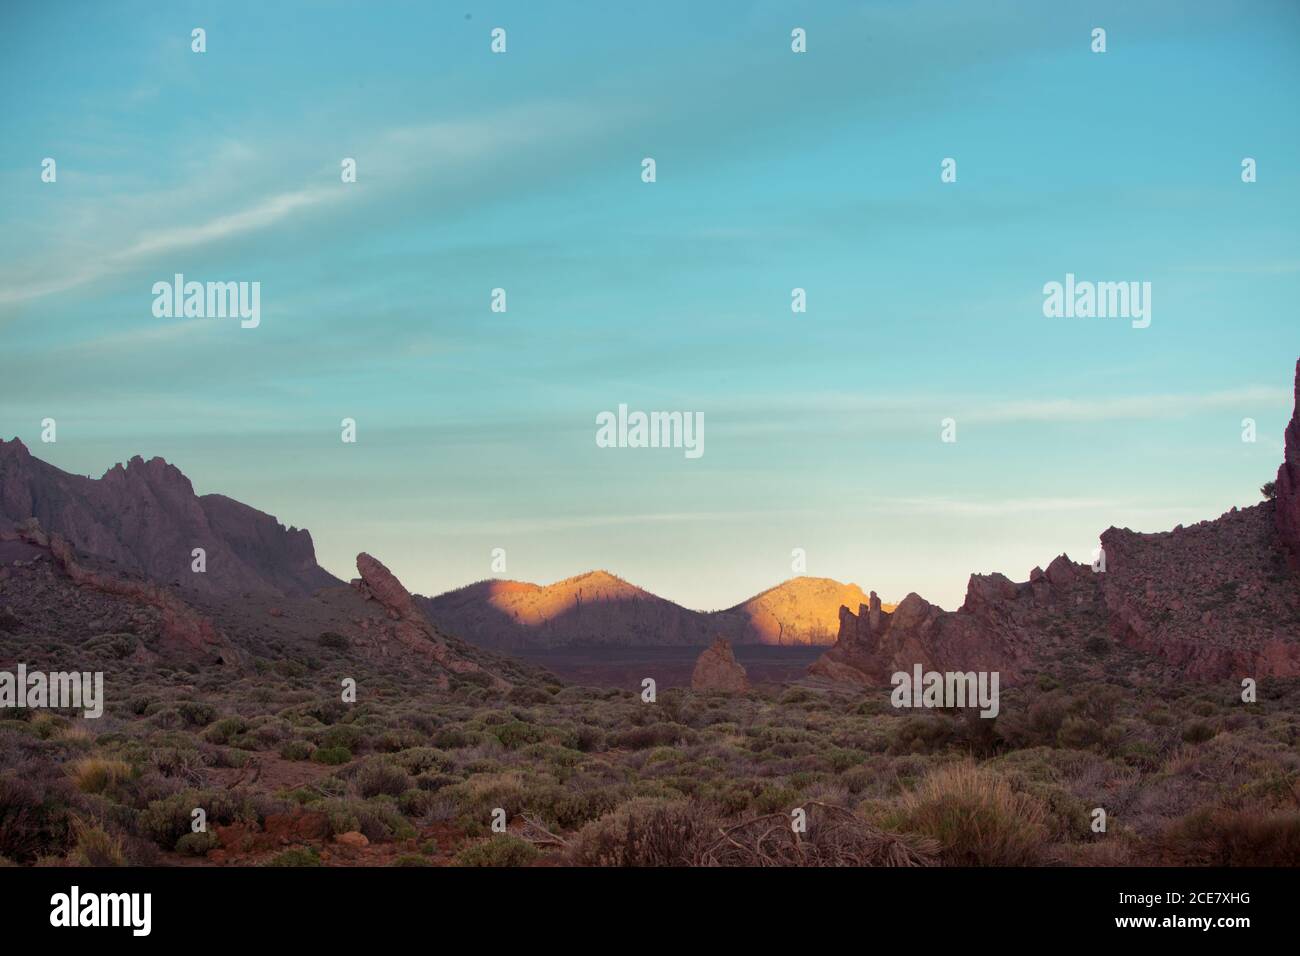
x: 296, y: 750
x: 297, y: 856
x: 1034, y: 726
x: 645, y: 832
x: 419, y: 760
x: 196, y: 713
x: 1198, y: 732
x: 182, y: 762
x: 264, y: 733
x: 474, y: 679
x: 165, y: 821
x: 344, y: 736
x: 516, y: 734
x: 224, y: 729
x: 478, y: 796
x: 333, y: 756
x: 377, y: 777
x: 432, y: 781
x: 1078, y: 733
x: 528, y: 696
x: 923, y: 734
x: 502, y: 850
x: 333, y: 641
x: 975, y: 816
x: 454, y: 738
x: 411, y: 859
x: 775, y: 799
x: 575, y: 807
x: 587, y: 738
x: 416, y: 802
x: 394, y: 741
x: 377, y: 818
x: 1225, y: 837
x: 197, y: 844
x: 31, y: 820
x: 167, y: 718
x: 654, y: 735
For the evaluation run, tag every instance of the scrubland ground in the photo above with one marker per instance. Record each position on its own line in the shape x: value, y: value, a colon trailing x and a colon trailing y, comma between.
x: 288, y: 774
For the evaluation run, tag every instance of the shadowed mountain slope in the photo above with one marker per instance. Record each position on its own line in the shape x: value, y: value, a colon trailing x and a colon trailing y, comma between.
x: 145, y: 517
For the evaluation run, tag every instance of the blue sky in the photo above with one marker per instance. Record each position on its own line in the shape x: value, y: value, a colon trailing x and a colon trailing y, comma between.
x: 775, y: 170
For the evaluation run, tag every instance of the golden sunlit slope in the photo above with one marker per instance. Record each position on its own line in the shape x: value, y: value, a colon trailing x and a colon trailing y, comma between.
x: 802, y: 610
x: 599, y: 608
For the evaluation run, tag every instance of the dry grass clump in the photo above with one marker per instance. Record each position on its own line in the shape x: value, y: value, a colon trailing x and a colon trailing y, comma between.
x: 95, y: 846
x: 975, y: 816
x: 97, y: 774
x: 646, y: 832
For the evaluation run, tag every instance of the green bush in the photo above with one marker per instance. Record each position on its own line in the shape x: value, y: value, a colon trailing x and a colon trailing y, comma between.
x: 197, y: 844
x: 501, y: 850
x: 332, y: 755
x: 296, y: 750
x: 298, y: 856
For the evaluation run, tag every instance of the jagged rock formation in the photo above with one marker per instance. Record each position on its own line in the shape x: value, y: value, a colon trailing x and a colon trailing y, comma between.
x: 402, y: 628
x: 718, y: 670
x: 599, y: 609
x: 1002, y: 626
x: 1216, y: 600
x: 1287, y: 486
x: 144, y: 517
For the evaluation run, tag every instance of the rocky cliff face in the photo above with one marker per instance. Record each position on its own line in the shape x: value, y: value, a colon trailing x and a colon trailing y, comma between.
x: 1288, y: 483
x: 718, y: 670
x: 185, y: 633
x: 1216, y: 600
x: 144, y: 517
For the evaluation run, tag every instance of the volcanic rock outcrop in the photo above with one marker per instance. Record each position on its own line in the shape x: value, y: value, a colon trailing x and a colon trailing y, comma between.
x: 718, y: 670
x: 1002, y: 626
x: 1287, y: 485
x: 402, y: 629
x: 145, y: 517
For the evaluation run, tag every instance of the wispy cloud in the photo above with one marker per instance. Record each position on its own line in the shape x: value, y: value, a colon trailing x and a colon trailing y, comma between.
x: 1112, y: 408
x: 402, y: 154
x: 989, y: 508
x: 262, y: 214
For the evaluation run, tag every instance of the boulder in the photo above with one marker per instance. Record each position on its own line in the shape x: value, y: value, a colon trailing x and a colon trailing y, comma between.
x: 718, y: 670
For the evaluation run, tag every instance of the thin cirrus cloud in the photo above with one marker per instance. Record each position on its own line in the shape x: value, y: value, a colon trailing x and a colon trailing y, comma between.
x: 898, y: 410
x: 261, y: 215
x: 403, y: 153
